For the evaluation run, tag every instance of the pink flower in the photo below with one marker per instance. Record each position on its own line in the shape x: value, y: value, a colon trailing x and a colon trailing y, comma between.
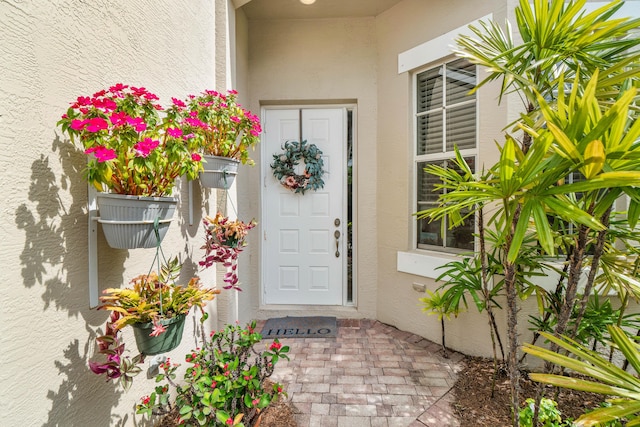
x: 255, y: 401
x: 96, y: 124
x: 139, y: 91
x: 146, y: 400
x: 230, y: 421
x: 196, y: 157
x: 174, y: 132
x: 102, y: 154
x: 118, y: 87
x: 290, y: 181
x: 82, y: 101
x: 119, y: 119
x: 151, y: 96
x: 146, y: 146
x: 158, y: 329
x: 78, y: 124
x: 178, y: 103
x: 138, y: 124
x: 233, y: 92
x: 105, y: 104
x: 195, y: 122
x: 235, y: 119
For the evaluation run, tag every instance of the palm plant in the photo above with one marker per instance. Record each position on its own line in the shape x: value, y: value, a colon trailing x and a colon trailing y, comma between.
x: 609, y: 379
x: 591, y: 131
x: 437, y: 304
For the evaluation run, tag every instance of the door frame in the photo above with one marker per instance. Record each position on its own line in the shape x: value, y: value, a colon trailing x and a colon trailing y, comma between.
x: 265, y: 173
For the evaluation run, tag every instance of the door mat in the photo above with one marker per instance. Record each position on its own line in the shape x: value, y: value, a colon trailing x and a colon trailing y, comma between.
x: 300, y: 327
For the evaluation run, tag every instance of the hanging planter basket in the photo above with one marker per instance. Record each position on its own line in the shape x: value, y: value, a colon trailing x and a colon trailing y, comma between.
x: 166, y: 341
x: 128, y: 221
x: 219, y: 172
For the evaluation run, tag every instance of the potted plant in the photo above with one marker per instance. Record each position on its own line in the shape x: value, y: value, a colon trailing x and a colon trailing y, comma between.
x: 224, y: 240
x: 222, y: 131
x: 135, y: 157
x: 156, y: 308
x: 224, y: 383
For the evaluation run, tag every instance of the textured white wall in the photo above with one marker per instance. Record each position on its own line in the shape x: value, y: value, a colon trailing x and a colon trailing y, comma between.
x: 309, y: 61
x: 51, y: 53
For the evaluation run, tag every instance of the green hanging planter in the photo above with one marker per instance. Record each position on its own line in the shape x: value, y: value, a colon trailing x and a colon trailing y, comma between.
x: 164, y: 342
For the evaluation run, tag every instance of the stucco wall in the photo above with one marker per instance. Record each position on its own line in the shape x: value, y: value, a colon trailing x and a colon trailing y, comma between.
x: 409, y: 24
x: 306, y: 61
x: 52, y: 52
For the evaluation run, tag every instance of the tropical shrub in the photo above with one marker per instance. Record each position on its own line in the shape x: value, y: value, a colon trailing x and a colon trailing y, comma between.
x: 224, y: 383
x: 607, y: 378
x: 575, y: 72
x: 548, y: 415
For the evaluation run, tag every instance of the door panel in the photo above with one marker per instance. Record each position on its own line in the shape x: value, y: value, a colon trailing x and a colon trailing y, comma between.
x: 303, y: 261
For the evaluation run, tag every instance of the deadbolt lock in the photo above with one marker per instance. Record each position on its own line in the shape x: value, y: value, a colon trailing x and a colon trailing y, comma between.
x: 337, y: 222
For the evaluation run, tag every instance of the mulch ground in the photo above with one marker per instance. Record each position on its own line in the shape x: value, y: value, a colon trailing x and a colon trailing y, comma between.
x: 474, y: 406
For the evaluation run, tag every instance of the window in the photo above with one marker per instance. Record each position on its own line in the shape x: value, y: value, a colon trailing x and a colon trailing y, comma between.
x: 445, y: 117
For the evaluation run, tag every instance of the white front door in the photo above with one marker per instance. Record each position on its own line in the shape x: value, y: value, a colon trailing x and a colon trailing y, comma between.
x: 304, y: 248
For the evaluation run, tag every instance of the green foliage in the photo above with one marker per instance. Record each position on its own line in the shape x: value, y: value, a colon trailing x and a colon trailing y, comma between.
x: 464, y: 278
x: 224, y: 382
x: 436, y: 304
x: 555, y: 36
x: 548, y: 414
x: 598, y: 316
x: 155, y: 296
x: 608, y: 379
x: 284, y: 166
x: 577, y: 75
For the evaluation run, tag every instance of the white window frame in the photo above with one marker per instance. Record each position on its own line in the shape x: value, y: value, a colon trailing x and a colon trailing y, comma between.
x: 421, y: 262
x: 434, y: 157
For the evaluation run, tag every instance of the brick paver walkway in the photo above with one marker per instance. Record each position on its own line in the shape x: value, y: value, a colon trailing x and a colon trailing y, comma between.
x: 371, y: 375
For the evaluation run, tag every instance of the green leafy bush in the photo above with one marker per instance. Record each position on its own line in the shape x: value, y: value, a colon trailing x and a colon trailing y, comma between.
x: 548, y: 416
x: 224, y: 383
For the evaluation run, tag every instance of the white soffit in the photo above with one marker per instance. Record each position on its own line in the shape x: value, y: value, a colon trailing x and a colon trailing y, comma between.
x: 434, y: 49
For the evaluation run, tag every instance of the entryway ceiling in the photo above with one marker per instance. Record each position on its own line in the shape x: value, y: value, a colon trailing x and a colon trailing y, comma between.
x: 293, y: 9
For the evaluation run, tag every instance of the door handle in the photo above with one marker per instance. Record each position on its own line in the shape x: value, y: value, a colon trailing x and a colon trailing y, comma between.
x: 337, y: 236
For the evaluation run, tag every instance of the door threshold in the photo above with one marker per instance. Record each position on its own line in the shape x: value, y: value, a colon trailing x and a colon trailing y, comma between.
x: 309, y: 308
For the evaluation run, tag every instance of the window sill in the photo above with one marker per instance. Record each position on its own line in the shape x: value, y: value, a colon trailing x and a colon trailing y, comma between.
x: 423, y: 263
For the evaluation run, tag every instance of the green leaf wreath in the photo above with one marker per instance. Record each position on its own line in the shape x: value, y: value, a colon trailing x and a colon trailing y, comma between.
x: 284, y: 166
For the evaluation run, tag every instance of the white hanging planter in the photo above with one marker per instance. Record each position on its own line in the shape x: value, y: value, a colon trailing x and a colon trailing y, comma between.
x: 219, y: 172
x: 128, y: 221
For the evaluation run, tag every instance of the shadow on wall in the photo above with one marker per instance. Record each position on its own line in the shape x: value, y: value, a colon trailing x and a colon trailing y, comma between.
x: 55, y: 257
